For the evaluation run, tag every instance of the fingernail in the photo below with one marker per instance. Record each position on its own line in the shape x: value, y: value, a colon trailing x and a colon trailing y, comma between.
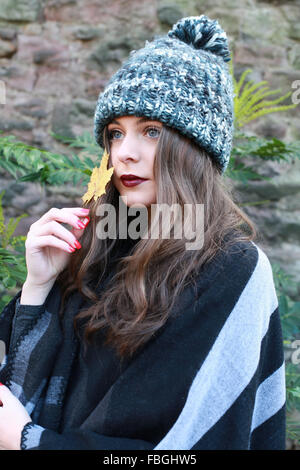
x: 77, y: 244
x: 80, y: 224
x: 1, y: 384
x: 86, y: 221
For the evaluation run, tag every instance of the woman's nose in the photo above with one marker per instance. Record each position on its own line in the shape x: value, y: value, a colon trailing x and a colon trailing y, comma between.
x: 128, y: 150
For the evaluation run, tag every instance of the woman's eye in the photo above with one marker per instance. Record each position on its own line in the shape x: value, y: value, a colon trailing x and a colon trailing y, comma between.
x: 150, y: 129
x: 111, y: 134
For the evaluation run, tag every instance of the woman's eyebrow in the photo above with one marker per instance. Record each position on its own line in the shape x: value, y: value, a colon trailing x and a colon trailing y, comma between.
x: 142, y: 119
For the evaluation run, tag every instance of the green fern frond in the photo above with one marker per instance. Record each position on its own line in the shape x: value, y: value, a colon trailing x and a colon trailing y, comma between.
x: 2, y: 226
x: 250, y: 111
x: 245, y: 104
x: 263, y: 104
x: 267, y: 111
x: 248, y: 92
x: 9, y: 230
x: 26, y: 163
x: 249, y: 105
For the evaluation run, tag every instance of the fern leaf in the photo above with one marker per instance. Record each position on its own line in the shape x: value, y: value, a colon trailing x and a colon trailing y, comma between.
x: 246, y: 104
x: 267, y: 111
x: 239, y: 84
x: 267, y: 103
x: 10, y: 228
x: 272, y: 102
x: 244, y: 97
x: 2, y: 226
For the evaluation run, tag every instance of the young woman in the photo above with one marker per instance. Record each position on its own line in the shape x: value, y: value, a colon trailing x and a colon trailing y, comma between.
x: 139, y: 342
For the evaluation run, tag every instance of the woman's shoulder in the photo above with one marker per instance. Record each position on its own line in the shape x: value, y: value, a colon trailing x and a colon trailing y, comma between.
x: 251, y: 256
x: 239, y: 265
x: 244, y: 252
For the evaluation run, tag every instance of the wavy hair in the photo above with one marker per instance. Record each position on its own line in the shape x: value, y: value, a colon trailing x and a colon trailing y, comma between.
x: 139, y: 297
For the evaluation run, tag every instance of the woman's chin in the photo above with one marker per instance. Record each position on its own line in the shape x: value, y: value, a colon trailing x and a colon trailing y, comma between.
x: 132, y: 202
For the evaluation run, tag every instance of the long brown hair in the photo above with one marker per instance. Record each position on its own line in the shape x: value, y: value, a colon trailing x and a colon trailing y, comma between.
x: 141, y: 293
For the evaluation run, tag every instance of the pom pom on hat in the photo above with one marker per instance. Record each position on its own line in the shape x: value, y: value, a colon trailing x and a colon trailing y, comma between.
x: 202, y: 33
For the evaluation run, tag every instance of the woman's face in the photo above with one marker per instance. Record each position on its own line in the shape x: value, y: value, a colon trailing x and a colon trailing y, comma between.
x: 133, y: 142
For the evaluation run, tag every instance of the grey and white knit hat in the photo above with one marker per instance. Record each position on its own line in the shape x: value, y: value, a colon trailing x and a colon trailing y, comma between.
x: 180, y: 79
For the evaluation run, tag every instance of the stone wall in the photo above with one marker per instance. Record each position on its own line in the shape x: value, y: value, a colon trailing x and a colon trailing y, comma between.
x: 57, y: 55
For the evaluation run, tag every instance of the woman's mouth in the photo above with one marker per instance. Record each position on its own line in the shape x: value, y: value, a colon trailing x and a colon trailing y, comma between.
x: 129, y: 183
x: 131, y: 180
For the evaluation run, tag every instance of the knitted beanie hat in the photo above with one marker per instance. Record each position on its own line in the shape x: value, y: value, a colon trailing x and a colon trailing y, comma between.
x: 180, y: 79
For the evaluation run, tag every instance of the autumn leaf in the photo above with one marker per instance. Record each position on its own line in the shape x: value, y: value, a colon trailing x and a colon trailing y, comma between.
x: 99, y: 179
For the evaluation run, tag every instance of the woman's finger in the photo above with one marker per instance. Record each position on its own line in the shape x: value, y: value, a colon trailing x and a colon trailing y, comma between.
x: 47, y: 240
x: 55, y: 228
x: 65, y: 215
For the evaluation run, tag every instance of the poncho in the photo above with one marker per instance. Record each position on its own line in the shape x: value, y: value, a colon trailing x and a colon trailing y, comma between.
x: 212, y: 378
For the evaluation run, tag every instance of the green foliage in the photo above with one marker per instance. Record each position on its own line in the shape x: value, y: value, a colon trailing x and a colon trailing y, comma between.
x: 27, y: 163
x: 249, y: 103
x: 290, y: 314
x: 12, y: 256
x: 245, y: 146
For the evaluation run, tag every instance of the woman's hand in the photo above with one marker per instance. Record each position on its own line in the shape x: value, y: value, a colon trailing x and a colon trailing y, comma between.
x: 48, y: 244
x: 48, y: 250
x: 13, y: 417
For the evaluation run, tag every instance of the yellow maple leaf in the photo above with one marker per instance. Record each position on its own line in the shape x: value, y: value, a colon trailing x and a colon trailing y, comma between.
x: 99, y: 179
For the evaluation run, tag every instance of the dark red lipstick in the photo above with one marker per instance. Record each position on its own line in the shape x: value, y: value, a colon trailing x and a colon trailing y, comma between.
x: 130, y: 180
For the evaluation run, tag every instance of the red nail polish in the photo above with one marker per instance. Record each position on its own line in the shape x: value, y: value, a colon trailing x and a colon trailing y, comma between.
x: 86, y: 221
x: 1, y: 384
x: 80, y: 225
x: 77, y: 244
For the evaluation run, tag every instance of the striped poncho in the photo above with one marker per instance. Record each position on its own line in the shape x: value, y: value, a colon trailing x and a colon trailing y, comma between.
x: 212, y: 378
